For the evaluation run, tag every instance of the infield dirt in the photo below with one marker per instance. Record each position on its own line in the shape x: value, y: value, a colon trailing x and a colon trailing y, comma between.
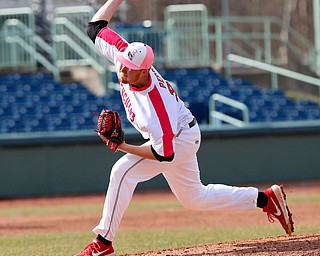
x: 307, y: 245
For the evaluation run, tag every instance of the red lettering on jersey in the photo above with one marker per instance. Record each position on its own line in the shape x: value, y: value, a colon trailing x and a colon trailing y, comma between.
x: 172, y: 91
x: 159, y: 78
x: 165, y: 84
x: 162, y: 84
x: 127, y: 103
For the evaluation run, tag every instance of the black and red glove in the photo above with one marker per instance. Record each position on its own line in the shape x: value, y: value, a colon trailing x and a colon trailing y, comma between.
x: 109, y: 126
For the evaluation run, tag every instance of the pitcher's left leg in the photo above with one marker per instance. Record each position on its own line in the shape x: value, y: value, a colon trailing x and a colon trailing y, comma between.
x: 184, y: 180
x: 186, y: 185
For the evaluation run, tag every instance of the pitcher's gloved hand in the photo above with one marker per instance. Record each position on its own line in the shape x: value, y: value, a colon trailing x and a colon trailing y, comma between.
x: 109, y: 129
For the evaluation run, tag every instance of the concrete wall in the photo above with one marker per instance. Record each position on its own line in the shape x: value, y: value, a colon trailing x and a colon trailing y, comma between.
x: 55, y: 164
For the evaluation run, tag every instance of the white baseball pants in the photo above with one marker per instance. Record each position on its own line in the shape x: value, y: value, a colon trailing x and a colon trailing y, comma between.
x: 183, y: 177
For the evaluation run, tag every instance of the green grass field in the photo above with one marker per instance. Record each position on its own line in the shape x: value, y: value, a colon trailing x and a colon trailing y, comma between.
x: 132, y: 241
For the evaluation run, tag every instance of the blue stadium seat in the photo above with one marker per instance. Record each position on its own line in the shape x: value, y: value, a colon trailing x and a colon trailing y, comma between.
x: 37, y: 103
x: 200, y: 110
x: 39, y: 124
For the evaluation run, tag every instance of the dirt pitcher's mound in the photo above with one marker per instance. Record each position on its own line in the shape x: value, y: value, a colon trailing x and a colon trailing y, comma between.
x: 295, y: 245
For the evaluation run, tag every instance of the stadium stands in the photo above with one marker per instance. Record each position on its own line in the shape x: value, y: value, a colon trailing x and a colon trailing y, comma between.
x: 31, y: 103
x: 37, y: 102
x: 197, y: 85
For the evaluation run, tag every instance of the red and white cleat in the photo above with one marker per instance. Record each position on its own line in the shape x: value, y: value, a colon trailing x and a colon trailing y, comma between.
x: 97, y: 248
x: 277, y: 208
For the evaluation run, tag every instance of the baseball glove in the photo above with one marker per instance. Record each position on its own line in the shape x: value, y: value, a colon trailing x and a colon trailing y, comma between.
x: 109, y: 125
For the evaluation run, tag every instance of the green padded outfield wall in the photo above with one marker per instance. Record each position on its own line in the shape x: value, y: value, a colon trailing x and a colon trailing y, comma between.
x: 60, y: 164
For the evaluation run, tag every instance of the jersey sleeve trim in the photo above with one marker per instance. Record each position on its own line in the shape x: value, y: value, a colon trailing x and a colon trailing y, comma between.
x: 94, y: 28
x: 162, y: 158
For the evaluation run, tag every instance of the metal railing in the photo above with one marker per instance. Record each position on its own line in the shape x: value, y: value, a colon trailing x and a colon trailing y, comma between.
x: 11, y: 52
x: 21, y: 37
x: 262, y: 39
x: 274, y: 70
x: 188, y: 38
x: 77, y: 15
x: 73, y: 46
x: 316, y: 25
x: 215, y: 115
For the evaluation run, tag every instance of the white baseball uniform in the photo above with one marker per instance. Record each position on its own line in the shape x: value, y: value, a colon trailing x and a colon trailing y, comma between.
x: 156, y: 111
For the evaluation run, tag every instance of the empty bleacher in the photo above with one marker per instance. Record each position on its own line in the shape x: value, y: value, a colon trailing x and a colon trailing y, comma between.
x: 32, y: 103
x: 197, y: 85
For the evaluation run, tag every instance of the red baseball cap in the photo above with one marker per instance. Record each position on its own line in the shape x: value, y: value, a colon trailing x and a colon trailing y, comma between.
x: 136, y: 56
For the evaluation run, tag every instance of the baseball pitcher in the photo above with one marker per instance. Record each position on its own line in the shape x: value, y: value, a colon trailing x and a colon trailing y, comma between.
x: 155, y: 110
